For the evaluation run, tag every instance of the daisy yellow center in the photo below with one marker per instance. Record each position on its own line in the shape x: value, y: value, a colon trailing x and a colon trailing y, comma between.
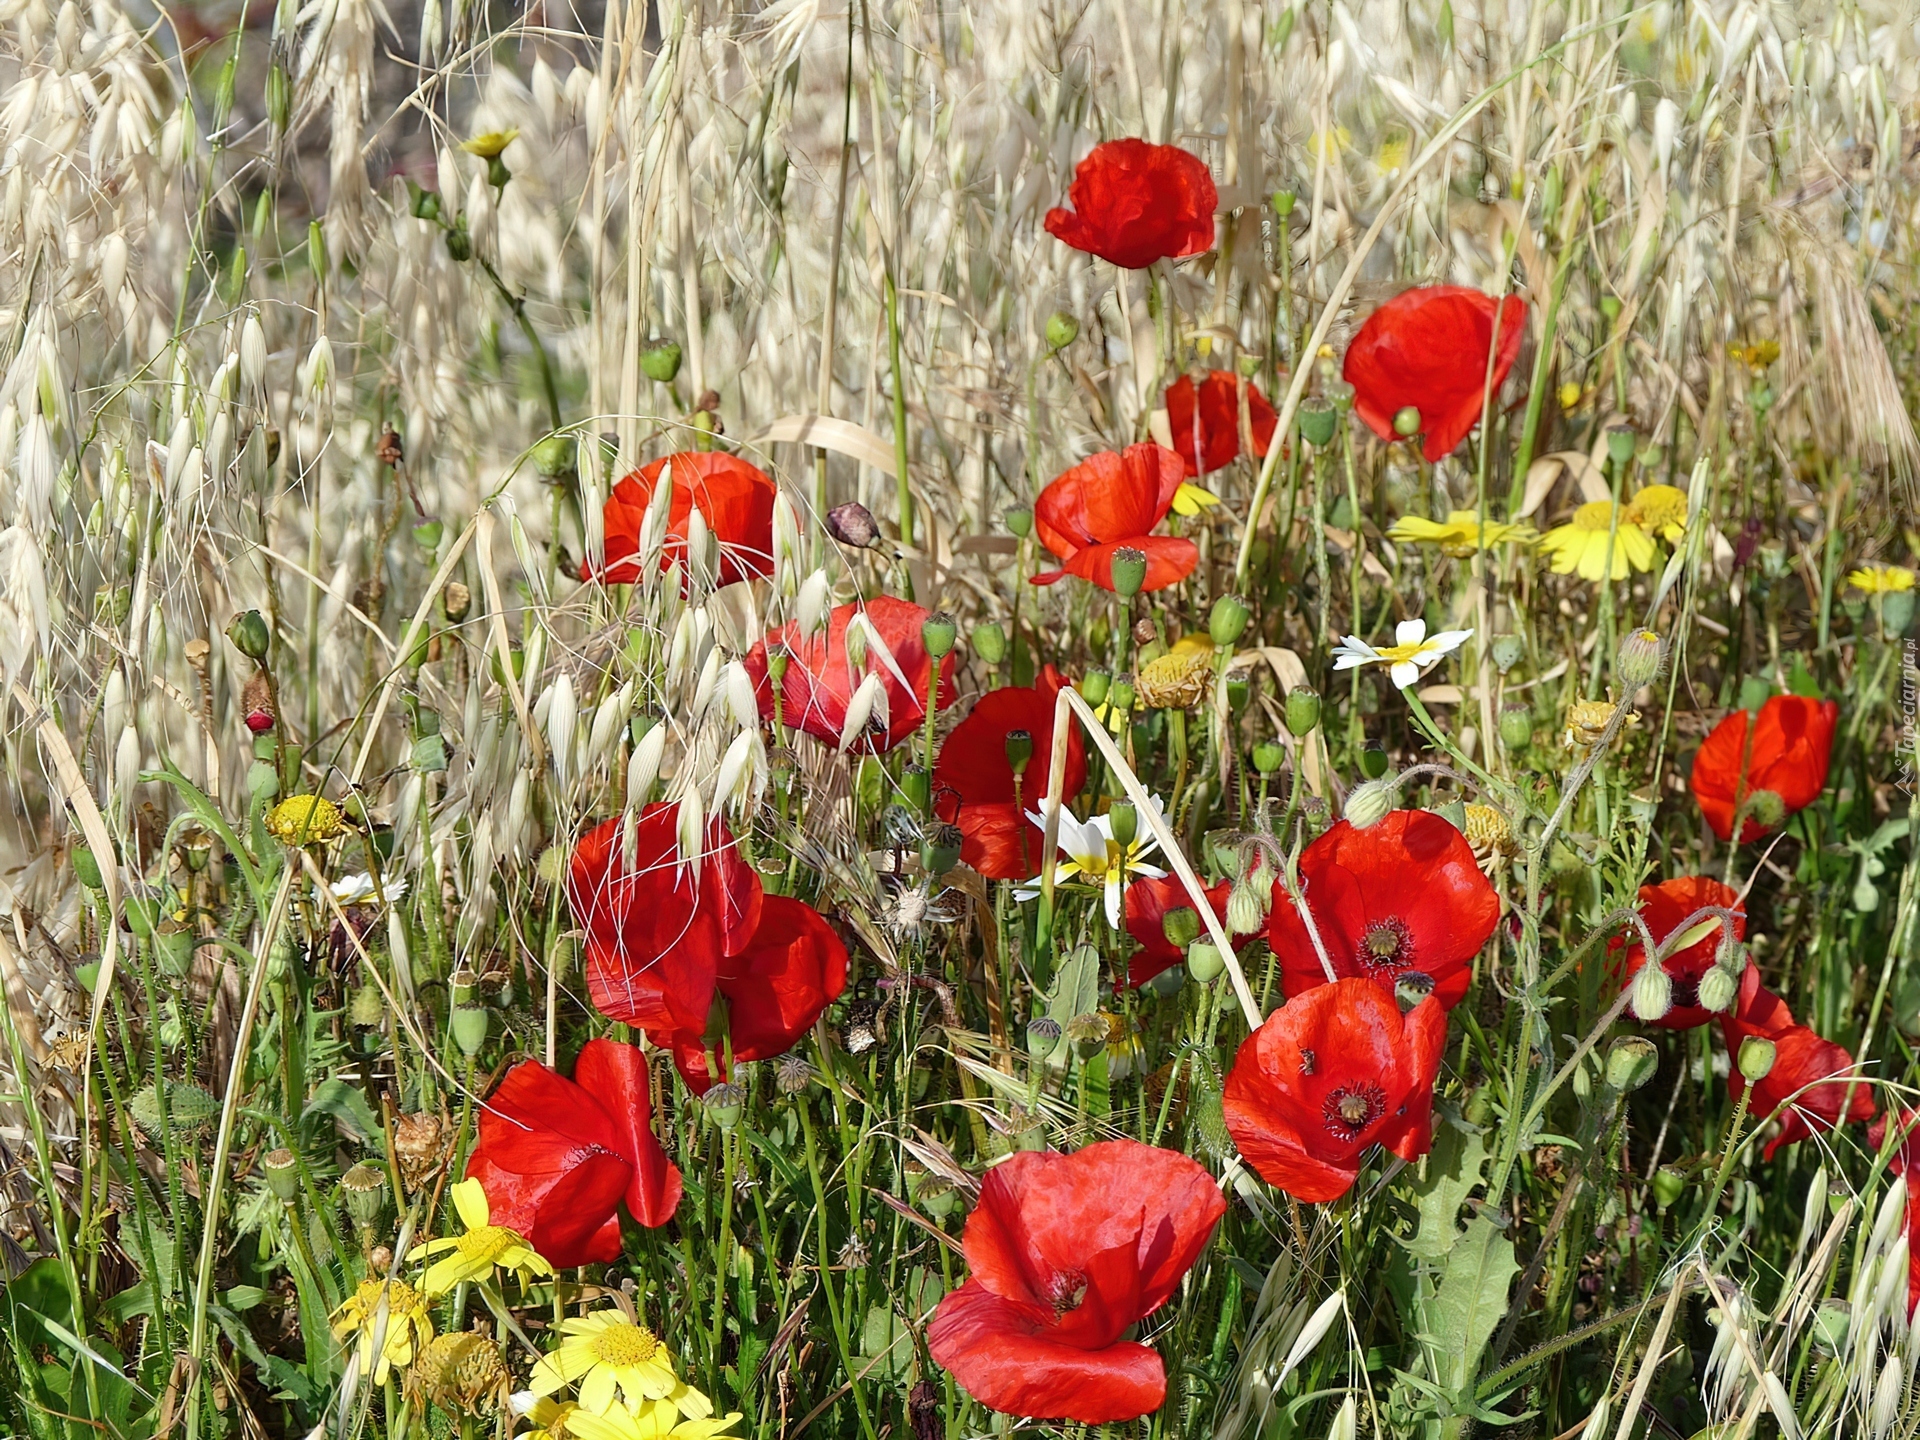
x: 1594, y: 515
x: 487, y: 1244
x: 624, y: 1345
x: 1399, y: 654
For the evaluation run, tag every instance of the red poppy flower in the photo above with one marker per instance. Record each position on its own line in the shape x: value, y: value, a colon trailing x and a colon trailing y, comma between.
x: 1330, y: 1073
x: 733, y: 497
x: 1207, y: 435
x: 658, y: 930
x: 1111, y: 501
x: 775, y: 988
x: 1401, y: 897
x: 1135, y: 203
x: 973, y: 780
x: 1787, y: 759
x: 557, y: 1156
x: 1666, y: 907
x: 1427, y: 348
x: 821, y: 680
x: 1905, y: 1161
x: 1799, y: 1090
x: 1068, y: 1252
x: 1148, y: 901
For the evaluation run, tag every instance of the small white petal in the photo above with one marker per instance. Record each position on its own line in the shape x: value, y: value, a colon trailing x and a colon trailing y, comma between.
x: 1410, y: 632
x: 1448, y: 640
x: 1404, y: 674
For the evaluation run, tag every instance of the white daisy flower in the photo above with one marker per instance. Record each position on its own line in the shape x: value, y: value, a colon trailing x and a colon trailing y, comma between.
x: 1412, y: 652
x: 1090, y: 852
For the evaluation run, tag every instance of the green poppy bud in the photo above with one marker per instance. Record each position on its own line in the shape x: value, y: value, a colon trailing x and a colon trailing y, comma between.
x: 1181, y: 926
x: 1062, y: 330
x: 1094, y: 686
x: 1303, y: 710
x: 938, y: 632
x: 1228, y: 622
x: 1406, y: 422
x: 1668, y: 1184
x: 1317, y: 422
x: 1631, y: 1062
x: 660, y: 362
x: 1128, y: 571
x: 1268, y: 757
x: 1652, y: 993
x: 1125, y: 822
x: 1204, y: 962
x: 1717, y: 990
x: 556, y: 457
x: 1282, y: 202
x: 1019, y: 520
x: 990, y: 642
x: 724, y: 1104
x: 1516, y: 726
x: 1756, y: 1059
x: 1368, y: 803
x: 1019, y: 750
x: 250, y: 635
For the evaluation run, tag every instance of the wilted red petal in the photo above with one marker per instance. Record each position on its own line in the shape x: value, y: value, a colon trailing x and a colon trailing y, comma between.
x: 616, y: 1076
x: 1207, y: 434
x: 1401, y: 896
x: 1666, y: 907
x: 1135, y: 203
x: 820, y: 682
x: 1792, y: 742
x: 733, y: 497
x: 1427, y: 347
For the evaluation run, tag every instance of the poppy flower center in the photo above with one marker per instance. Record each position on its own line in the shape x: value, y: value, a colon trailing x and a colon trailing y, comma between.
x: 1350, y: 1109
x: 1066, y: 1291
x: 1386, y: 945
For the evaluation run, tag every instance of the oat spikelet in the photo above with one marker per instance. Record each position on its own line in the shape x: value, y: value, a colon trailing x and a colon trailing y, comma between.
x: 1857, y: 384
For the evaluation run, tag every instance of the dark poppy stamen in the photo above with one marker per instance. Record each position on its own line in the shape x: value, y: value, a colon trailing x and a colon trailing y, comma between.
x: 1351, y: 1109
x: 1386, y: 945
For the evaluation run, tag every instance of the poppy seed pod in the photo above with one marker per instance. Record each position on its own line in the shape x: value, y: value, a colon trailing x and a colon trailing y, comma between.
x: 1019, y: 750
x: 724, y: 1104
x: 1756, y: 1058
x: 1406, y: 422
x: 1122, y: 692
x: 1516, y: 725
x: 1506, y: 651
x: 250, y: 635
x: 1181, y: 926
x: 1228, y: 621
x: 1668, y: 1184
x: 1317, y: 422
x: 938, y: 633
x: 1043, y: 1037
x: 1205, y: 962
x: 1410, y: 988
x: 1062, y: 330
x: 283, y: 1174
x: 363, y: 1190
x: 990, y: 642
x: 1128, y: 571
x: 1368, y: 803
x: 1094, y: 686
x: 1303, y: 710
x: 1631, y: 1062
x: 1124, y: 822
x: 1019, y: 520
x: 660, y: 361
x: 1268, y: 756
x: 555, y: 458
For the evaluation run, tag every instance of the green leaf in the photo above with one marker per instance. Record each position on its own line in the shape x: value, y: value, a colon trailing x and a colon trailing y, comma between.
x: 886, y: 1334
x: 1076, y: 987
x: 1453, y: 1169
x: 1471, y: 1298
x: 346, y: 1105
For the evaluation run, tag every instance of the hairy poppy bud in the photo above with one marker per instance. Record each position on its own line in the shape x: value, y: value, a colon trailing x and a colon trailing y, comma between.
x: 1128, y: 571
x: 1124, y: 821
x: 1516, y: 725
x: 1019, y: 520
x: 1094, y: 686
x: 250, y: 635
x: 554, y: 458
x: 1368, y: 803
x: 990, y: 642
x: 1043, y: 1037
x: 1204, y: 962
x: 1303, y: 710
x: 1181, y: 926
x: 1019, y: 750
x: 853, y: 524
x: 1766, y: 808
x: 724, y: 1104
x: 1228, y: 622
x: 1755, y: 1059
x: 938, y: 632
x: 1406, y: 422
x: 1652, y: 993
x: 1639, y: 659
x: 1062, y: 330
x: 1717, y: 990
x: 1267, y: 757
x: 1631, y: 1062
x: 1245, y: 913
x: 1317, y: 422
x: 660, y: 362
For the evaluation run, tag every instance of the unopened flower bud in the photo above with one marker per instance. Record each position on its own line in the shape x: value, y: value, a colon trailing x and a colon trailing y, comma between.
x: 1756, y: 1059
x: 1245, y: 913
x: 1043, y: 1037
x: 1639, y: 659
x: 1316, y: 422
x: 990, y: 642
x: 853, y: 524
x: 1019, y: 520
x: 1631, y: 1062
x: 1128, y: 571
x: 1717, y: 990
x: 938, y: 632
x: 1094, y: 687
x: 724, y: 1104
x: 1652, y: 993
x: 1766, y: 808
x: 1303, y: 710
x: 1181, y: 926
x: 1124, y: 821
x: 1268, y: 757
x: 1406, y: 422
x: 1282, y: 202
x: 1062, y: 330
x: 1368, y: 803
x: 1228, y: 621
x: 1204, y: 962
x: 250, y: 635
x: 555, y: 458
x: 1516, y: 726
x: 1019, y: 750
x: 660, y: 362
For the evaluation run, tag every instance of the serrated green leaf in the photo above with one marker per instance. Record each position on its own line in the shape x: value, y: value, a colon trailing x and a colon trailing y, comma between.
x: 346, y: 1105
x: 1470, y: 1299
x: 1453, y: 1169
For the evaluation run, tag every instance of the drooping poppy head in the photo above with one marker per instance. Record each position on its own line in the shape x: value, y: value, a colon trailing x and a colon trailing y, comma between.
x: 1135, y: 203
x: 1067, y: 1253
x: 1149, y: 901
x: 779, y: 983
x: 1426, y: 349
x: 1403, y: 900
x: 1108, y: 502
x: 1668, y: 906
x: 733, y: 497
x: 557, y: 1156
x: 1207, y: 434
x: 822, y: 685
x: 1812, y: 1080
x: 1781, y: 770
x: 1905, y: 1161
x: 1329, y: 1074
x: 658, y: 927
x: 973, y: 780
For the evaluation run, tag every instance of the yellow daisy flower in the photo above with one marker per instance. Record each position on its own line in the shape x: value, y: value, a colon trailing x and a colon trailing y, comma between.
x: 473, y: 1255
x: 1459, y: 533
x: 305, y: 820
x: 552, y: 1419
x: 489, y: 145
x: 1580, y: 545
x: 611, y: 1358
x: 1659, y: 510
x: 1587, y: 722
x: 1179, y: 679
x: 1881, y: 579
x: 397, y: 1313
x: 656, y: 1421
x: 1191, y: 499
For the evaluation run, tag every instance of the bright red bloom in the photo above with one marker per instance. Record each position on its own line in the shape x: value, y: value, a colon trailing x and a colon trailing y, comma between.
x: 1799, y: 1091
x: 1329, y: 1074
x: 1905, y: 1161
x: 1148, y: 901
x: 775, y: 988
x: 735, y: 498
x: 1106, y: 502
x: 1067, y: 1253
x: 1792, y: 741
x: 1401, y: 897
x: 557, y: 1156
x: 821, y: 680
x: 1208, y: 435
x: 1666, y: 907
x: 657, y: 932
x: 1135, y: 203
x: 973, y: 781
x: 1427, y: 348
